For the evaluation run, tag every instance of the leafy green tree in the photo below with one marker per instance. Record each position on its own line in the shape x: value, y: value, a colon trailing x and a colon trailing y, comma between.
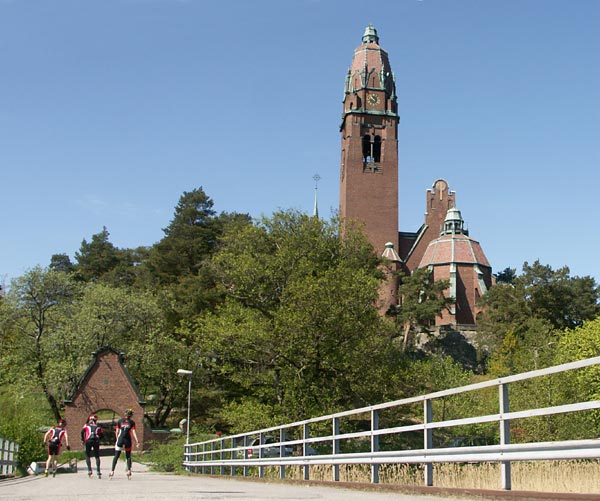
x: 61, y: 262
x: 111, y: 316
x: 506, y: 276
x: 133, y: 322
x: 153, y: 360
x: 436, y: 373
x: 176, y: 264
x: 21, y: 417
x: 126, y: 271
x: 562, y: 301
x: 97, y: 257
x: 191, y: 236
x: 300, y: 313
x: 521, y: 328
x: 49, y: 325
x: 530, y: 348
x: 580, y: 385
x: 421, y: 299
x: 33, y: 319
x: 256, y: 262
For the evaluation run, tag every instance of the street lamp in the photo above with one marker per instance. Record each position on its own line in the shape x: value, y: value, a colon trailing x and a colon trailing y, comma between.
x: 183, y: 372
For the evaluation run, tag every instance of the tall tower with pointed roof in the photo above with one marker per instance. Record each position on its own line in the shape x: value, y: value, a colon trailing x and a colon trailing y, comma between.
x: 369, y: 130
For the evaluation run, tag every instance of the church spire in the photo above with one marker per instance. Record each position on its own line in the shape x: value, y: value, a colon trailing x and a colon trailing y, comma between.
x: 370, y: 71
x: 316, y: 178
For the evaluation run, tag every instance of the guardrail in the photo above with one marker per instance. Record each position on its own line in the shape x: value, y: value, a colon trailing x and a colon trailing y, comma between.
x: 8, y: 454
x: 281, y: 446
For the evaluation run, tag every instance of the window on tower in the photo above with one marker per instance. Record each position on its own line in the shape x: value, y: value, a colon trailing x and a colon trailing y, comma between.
x: 371, y: 149
x: 377, y: 149
x: 367, y: 149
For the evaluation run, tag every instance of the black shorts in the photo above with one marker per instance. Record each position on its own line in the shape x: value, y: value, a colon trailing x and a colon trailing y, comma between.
x: 123, y: 444
x: 92, y: 446
x: 53, y: 449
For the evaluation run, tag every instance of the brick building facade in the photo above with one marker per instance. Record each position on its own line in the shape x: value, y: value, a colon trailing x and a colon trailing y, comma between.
x: 105, y: 386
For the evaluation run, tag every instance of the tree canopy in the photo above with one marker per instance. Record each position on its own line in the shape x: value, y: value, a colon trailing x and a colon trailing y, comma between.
x: 300, y: 313
x: 278, y: 319
x: 551, y: 296
x: 421, y: 300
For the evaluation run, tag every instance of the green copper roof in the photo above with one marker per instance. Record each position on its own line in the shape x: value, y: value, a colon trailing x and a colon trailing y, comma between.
x: 370, y: 35
x: 453, y: 223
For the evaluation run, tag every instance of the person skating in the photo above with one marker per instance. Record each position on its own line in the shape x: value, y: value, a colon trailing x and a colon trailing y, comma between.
x: 91, y: 433
x: 53, y: 439
x: 125, y: 430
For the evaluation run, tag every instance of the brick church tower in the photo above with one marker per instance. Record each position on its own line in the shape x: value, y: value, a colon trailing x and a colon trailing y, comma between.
x: 369, y: 164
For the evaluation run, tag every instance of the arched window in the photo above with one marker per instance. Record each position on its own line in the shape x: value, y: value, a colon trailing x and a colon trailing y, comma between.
x: 377, y: 149
x: 366, y: 148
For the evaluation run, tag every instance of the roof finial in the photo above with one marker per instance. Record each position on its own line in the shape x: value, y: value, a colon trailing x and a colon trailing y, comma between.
x: 370, y: 35
x: 390, y: 253
x: 453, y: 223
x: 316, y: 178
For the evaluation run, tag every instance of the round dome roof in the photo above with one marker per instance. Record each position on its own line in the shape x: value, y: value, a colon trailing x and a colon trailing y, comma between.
x: 453, y: 248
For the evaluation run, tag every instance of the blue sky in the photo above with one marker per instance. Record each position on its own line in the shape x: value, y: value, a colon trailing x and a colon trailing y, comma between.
x: 110, y: 110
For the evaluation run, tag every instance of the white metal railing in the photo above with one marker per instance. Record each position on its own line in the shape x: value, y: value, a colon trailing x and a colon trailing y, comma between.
x: 281, y: 446
x: 8, y: 455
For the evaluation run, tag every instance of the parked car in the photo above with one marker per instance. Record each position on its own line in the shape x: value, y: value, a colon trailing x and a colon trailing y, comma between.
x: 270, y: 451
x: 469, y: 442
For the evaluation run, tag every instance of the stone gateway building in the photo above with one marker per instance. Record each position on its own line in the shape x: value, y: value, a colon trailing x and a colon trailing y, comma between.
x: 106, y: 385
x: 369, y: 192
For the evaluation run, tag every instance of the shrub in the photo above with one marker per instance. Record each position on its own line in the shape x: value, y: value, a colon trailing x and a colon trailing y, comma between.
x: 168, y: 456
x: 22, y: 420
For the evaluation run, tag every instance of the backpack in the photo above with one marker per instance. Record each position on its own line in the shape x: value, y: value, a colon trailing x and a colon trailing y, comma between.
x: 95, y: 433
x: 56, y: 435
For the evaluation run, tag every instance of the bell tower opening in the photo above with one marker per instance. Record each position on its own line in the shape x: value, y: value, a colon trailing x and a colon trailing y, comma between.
x: 371, y: 149
x: 377, y: 149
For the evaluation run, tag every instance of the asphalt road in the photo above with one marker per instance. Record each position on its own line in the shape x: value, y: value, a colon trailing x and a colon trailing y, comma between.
x: 149, y: 485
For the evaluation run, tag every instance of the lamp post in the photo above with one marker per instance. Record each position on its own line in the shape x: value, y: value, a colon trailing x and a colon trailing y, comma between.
x: 184, y: 372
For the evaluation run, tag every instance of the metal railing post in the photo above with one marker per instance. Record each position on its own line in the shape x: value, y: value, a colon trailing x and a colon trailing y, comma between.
x: 305, y: 434
x: 335, y: 448
x: 261, y: 441
x: 222, y: 456
x: 428, y: 440
x: 246, y: 444
x: 282, y: 452
x: 504, y: 435
x: 374, y: 445
x: 232, y: 455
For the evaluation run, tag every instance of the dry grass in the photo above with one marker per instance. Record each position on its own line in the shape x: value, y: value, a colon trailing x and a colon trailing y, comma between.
x: 579, y: 476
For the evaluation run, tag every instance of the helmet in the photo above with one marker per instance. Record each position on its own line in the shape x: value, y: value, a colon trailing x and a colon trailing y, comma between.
x: 62, y: 422
x: 129, y: 412
x: 93, y: 417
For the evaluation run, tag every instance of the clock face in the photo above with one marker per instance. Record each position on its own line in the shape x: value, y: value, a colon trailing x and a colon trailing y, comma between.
x: 373, y: 99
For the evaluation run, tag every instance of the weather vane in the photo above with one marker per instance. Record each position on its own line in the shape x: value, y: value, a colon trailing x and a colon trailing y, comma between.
x: 316, y: 178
